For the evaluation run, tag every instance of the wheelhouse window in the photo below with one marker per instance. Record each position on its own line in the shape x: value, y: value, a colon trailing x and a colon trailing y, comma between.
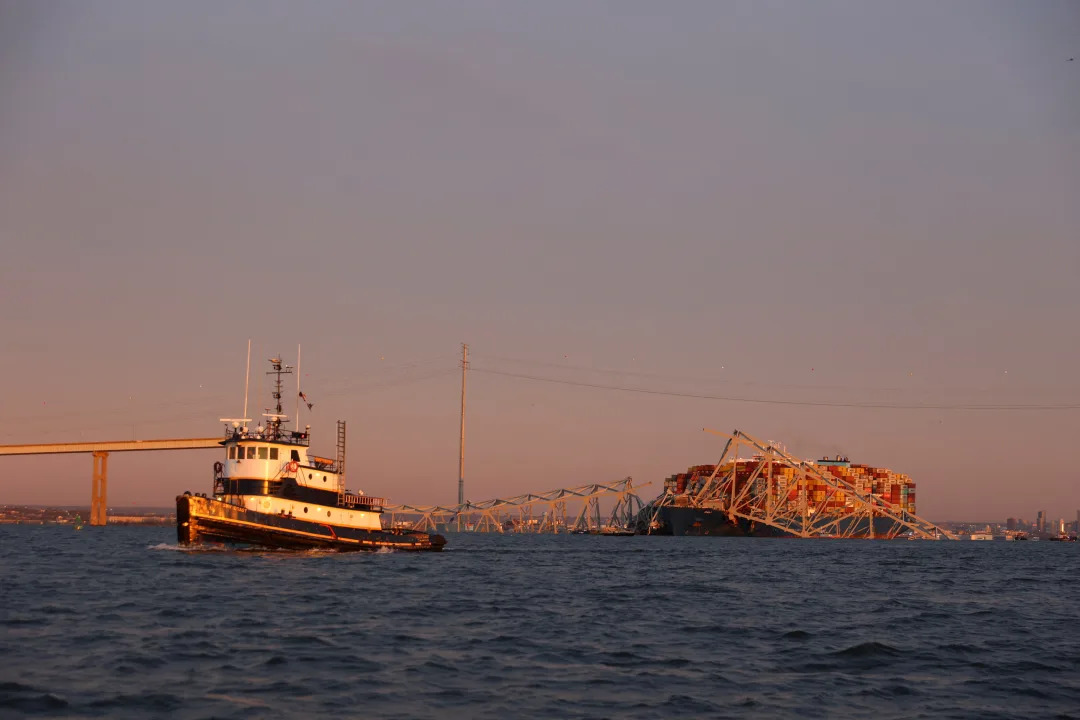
x: 273, y: 453
x: 295, y: 455
x: 263, y: 452
x: 232, y: 453
x: 251, y: 453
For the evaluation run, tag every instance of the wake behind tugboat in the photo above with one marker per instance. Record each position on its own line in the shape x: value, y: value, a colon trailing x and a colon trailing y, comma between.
x: 270, y: 491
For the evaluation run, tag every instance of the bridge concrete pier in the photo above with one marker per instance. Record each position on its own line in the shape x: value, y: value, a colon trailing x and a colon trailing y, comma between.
x: 99, y: 489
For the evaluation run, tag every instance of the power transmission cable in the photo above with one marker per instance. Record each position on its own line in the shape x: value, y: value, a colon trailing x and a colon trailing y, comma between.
x: 767, y: 401
x: 745, y: 383
x: 394, y: 382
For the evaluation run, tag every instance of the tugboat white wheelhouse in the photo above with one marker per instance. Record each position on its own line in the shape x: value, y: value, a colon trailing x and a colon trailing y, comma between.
x: 269, y: 490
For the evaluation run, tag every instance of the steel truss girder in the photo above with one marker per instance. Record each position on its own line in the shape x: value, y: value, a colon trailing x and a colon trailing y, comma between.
x: 487, y: 515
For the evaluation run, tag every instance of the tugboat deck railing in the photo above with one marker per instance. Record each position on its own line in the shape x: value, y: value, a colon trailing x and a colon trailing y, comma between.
x: 348, y: 499
x: 299, y: 439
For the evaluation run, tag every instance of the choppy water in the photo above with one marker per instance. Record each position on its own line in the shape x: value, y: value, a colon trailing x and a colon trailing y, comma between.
x: 120, y: 623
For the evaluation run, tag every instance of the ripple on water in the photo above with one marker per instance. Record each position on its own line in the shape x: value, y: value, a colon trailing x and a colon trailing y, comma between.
x: 868, y: 651
x: 29, y: 699
x: 125, y: 624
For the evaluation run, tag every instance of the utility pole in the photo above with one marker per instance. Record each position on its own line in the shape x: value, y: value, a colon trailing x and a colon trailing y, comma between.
x: 461, y: 458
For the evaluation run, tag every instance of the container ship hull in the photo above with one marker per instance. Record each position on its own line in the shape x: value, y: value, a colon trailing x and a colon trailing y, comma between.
x: 713, y: 522
x: 200, y: 520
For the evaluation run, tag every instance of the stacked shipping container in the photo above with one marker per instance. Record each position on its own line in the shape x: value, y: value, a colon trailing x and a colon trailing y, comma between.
x: 786, y: 486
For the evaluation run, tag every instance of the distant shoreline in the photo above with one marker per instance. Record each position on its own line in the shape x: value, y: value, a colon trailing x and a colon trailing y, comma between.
x: 73, y: 515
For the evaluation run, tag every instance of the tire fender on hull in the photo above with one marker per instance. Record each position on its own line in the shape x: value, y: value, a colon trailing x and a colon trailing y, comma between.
x: 187, y: 528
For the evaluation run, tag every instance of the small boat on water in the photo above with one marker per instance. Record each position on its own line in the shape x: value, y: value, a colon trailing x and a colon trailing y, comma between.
x: 270, y: 491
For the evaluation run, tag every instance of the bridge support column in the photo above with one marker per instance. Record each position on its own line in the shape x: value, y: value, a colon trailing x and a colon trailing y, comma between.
x: 99, y: 490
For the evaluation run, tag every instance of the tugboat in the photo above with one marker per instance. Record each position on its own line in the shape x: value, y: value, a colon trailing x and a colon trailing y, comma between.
x: 270, y: 491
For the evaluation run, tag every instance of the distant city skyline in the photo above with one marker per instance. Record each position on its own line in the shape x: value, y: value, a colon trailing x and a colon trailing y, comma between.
x: 855, y: 208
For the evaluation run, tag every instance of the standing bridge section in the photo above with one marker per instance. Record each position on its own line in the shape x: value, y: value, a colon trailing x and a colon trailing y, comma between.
x: 100, y: 453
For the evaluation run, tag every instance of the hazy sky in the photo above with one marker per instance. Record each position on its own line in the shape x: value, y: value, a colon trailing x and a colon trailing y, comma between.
x: 821, y: 202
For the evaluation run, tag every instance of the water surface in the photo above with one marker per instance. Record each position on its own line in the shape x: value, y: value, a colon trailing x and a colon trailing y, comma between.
x: 120, y: 623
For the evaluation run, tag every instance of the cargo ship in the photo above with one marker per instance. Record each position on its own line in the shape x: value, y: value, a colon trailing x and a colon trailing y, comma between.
x: 270, y: 491
x: 835, y: 497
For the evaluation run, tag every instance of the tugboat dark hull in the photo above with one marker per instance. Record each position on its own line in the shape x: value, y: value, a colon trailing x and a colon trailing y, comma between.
x: 201, y: 519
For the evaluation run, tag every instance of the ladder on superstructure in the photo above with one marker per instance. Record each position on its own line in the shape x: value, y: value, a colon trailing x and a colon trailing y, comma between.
x: 342, y: 500
x: 341, y: 448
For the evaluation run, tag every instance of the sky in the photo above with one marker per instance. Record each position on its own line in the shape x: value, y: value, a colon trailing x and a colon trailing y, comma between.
x: 812, y: 207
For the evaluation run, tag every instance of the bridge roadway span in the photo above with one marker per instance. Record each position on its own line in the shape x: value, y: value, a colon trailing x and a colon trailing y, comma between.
x: 100, y: 452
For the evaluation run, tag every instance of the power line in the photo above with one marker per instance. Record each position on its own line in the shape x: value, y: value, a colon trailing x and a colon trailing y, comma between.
x: 393, y: 382
x: 391, y: 370
x: 766, y: 401
x: 625, y: 373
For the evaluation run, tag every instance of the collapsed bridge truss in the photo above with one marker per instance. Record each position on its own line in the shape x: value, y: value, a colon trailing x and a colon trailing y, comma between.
x: 566, y: 510
x: 757, y: 499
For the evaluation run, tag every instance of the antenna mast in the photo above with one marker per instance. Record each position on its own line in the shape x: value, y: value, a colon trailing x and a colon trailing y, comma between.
x: 273, y: 426
x: 297, y: 416
x: 247, y: 377
x: 461, y: 457
x: 240, y: 422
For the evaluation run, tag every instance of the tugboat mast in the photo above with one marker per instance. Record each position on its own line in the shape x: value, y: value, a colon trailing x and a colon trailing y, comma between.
x: 277, y: 417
